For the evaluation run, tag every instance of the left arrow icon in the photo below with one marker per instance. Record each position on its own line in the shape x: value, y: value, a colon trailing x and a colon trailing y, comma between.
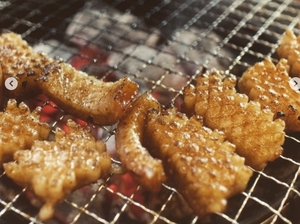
x: 11, y: 83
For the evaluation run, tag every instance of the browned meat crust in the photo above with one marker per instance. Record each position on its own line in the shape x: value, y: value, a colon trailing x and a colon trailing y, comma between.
x: 1, y: 86
x: 289, y: 48
x: 198, y: 161
x: 129, y: 137
x: 75, y: 92
x: 256, y: 135
x: 54, y: 169
x: 269, y: 85
x: 19, y: 128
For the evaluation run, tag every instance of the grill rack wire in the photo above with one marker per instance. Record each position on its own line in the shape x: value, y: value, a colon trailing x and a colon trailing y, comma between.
x: 249, y: 30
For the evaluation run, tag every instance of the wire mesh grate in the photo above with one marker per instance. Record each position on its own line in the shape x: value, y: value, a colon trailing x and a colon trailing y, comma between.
x: 163, y: 45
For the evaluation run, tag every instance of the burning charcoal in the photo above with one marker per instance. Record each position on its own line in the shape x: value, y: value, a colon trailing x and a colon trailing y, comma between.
x: 125, y: 185
x: 170, y: 66
x: 107, y: 27
x: 132, y: 48
x: 195, y: 46
x: 54, y: 48
x: 151, y: 66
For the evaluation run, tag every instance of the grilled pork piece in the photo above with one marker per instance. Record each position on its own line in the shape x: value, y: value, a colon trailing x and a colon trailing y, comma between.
x: 198, y: 161
x: 54, y: 169
x: 252, y: 129
x: 289, y: 48
x: 19, y: 128
x: 75, y: 92
x: 269, y: 85
x: 1, y: 86
x: 129, y: 137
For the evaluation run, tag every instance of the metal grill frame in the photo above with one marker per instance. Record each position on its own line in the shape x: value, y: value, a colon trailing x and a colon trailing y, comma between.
x: 269, y: 14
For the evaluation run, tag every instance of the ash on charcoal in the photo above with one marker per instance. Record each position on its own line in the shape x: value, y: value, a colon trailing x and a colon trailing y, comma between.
x: 107, y: 27
x: 132, y: 48
x: 54, y: 48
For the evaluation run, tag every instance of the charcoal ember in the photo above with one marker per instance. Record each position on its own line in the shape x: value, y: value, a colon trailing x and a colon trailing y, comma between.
x: 152, y: 67
x: 126, y: 186
x: 169, y: 66
x: 107, y: 27
x: 134, y: 48
x: 90, y: 58
x: 113, y: 33
x: 176, y: 210
x: 66, y: 213
x: 55, y: 48
x: 198, y: 49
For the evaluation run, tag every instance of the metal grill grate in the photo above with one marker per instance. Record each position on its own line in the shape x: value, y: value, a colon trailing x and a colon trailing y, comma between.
x: 163, y: 45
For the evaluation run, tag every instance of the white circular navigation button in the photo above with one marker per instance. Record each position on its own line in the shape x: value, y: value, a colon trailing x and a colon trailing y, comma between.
x: 11, y: 83
x: 295, y: 83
